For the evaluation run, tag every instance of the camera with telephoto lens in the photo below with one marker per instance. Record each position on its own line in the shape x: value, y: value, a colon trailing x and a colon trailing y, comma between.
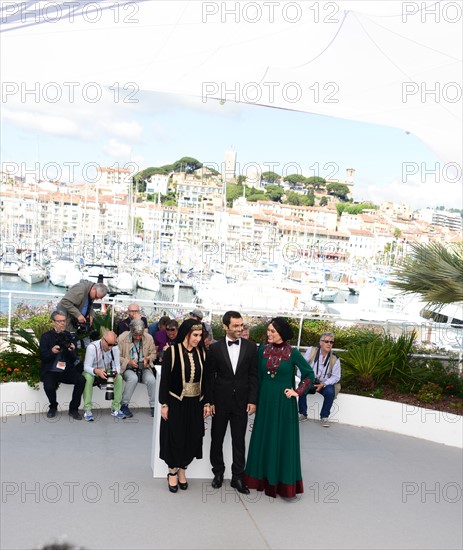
x: 111, y: 374
x: 312, y: 389
x: 64, y: 340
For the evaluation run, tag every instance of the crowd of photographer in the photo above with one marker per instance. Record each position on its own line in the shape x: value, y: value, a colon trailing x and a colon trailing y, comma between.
x: 114, y: 363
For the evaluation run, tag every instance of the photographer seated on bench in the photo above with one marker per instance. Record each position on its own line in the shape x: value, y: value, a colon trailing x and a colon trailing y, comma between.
x: 103, y: 364
x: 327, y: 369
x: 137, y: 351
x: 59, y: 364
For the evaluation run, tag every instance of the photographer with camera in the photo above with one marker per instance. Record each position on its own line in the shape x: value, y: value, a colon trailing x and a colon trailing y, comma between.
x: 327, y: 368
x: 137, y: 351
x: 102, y: 365
x: 59, y: 360
x: 78, y: 303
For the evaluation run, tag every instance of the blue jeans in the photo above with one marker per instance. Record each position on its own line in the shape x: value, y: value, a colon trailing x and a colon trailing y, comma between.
x: 328, y: 398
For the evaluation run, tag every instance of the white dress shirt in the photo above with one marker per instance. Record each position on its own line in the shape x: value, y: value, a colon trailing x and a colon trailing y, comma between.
x: 97, y: 358
x: 233, y: 352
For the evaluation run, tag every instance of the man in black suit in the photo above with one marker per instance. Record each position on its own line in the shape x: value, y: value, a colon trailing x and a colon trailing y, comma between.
x: 233, y: 366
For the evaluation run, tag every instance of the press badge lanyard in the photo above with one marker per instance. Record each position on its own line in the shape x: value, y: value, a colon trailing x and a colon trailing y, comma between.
x: 137, y: 348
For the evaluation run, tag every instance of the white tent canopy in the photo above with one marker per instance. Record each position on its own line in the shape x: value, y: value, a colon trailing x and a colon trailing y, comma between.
x: 391, y: 63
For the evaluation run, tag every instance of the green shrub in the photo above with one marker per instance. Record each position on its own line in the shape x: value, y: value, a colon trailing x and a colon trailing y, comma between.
x: 377, y: 360
x: 19, y: 367
x: 430, y: 393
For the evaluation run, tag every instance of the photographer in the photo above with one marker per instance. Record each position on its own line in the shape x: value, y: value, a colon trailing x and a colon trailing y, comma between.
x: 78, y: 303
x: 165, y: 338
x: 102, y: 364
x: 58, y: 355
x: 133, y: 313
x: 327, y: 368
x: 137, y: 352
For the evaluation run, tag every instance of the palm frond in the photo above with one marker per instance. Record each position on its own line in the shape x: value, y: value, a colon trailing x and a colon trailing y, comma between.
x: 433, y: 271
x: 27, y: 340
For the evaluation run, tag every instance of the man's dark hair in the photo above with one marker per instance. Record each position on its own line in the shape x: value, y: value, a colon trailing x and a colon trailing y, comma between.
x: 227, y: 317
x: 163, y: 321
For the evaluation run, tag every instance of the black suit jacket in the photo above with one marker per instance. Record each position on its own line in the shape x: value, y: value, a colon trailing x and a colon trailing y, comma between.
x: 226, y: 386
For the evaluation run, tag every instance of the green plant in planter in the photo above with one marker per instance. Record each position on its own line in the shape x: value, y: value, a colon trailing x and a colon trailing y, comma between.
x: 430, y: 393
x: 23, y: 365
x: 378, y: 360
x: 19, y: 367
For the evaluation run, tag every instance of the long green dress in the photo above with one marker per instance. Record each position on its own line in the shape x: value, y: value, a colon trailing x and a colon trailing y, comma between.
x: 274, y: 461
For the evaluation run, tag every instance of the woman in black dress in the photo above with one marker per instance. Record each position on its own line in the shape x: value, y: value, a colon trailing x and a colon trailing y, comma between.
x: 184, y: 398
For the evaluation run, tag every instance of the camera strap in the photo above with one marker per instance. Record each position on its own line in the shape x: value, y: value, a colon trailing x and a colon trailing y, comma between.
x: 326, y: 363
x: 102, y: 356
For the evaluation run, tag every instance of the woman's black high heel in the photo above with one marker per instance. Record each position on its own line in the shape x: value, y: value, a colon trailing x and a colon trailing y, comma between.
x: 172, y: 488
x: 183, y: 486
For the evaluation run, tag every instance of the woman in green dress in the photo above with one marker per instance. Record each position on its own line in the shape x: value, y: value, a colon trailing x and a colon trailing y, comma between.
x: 274, y: 462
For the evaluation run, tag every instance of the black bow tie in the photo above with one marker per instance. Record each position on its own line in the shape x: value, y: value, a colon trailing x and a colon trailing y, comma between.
x: 231, y: 342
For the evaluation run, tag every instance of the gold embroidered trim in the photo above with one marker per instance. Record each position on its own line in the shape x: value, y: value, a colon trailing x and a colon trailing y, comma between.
x: 191, y: 389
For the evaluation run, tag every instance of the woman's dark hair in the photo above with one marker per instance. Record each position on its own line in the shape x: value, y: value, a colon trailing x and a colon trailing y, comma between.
x: 281, y: 325
x: 186, y: 327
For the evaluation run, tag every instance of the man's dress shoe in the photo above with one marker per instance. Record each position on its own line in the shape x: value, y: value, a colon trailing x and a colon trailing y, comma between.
x: 239, y: 486
x: 217, y: 481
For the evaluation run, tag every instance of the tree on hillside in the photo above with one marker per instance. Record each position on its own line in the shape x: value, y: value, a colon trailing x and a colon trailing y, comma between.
x: 310, y: 198
x: 270, y: 177
x: 294, y: 198
x: 213, y: 171
x: 274, y: 192
x: 354, y: 208
x: 233, y: 192
x: 294, y: 179
x: 240, y: 180
x: 170, y: 199
x: 187, y: 164
x: 339, y: 190
x: 316, y: 182
x: 434, y: 271
x: 324, y: 200
x: 254, y: 195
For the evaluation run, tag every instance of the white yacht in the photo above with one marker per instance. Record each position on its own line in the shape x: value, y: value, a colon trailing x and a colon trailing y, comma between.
x: 122, y: 282
x: 9, y: 264
x: 32, y: 273
x: 324, y: 294
x: 64, y: 272
x: 147, y: 281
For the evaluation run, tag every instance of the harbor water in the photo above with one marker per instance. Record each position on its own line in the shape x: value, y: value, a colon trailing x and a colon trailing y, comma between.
x: 46, y: 292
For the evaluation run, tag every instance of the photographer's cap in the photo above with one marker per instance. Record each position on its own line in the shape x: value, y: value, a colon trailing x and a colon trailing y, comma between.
x: 197, y: 313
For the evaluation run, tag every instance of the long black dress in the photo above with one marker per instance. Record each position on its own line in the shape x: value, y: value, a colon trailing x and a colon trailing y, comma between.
x: 181, y: 435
